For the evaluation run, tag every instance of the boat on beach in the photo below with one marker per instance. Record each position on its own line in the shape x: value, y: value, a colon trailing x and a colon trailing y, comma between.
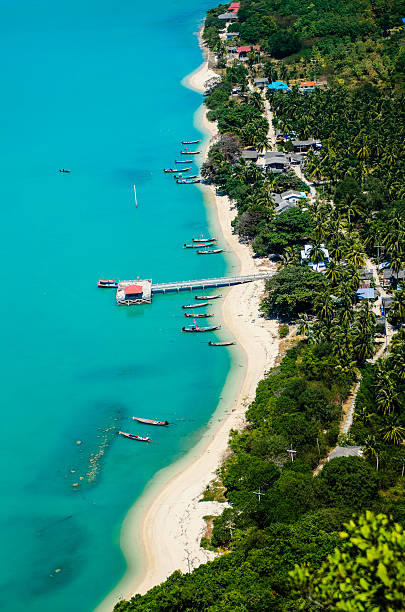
x: 133, y: 437
x: 195, y: 329
x: 211, y: 252
x: 107, y: 283
x: 197, y: 316
x: 190, y: 141
x: 197, y: 305
x: 197, y: 246
x: 208, y: 297
x: 171, y: 170
x: 150, y: 421
x: 221, y: 343
x: 205, y: 240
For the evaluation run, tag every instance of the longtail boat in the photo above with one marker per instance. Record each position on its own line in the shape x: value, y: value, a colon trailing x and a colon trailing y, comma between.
x: 211, y: 252
x: 133, y: 437
x: 64, y: 171
x: 204, y: 239
x: 221, y: 343
x: 188, y: 182
x: 170, y: 170
x: 197, y: 305
x: 198, y: 246
x: 195, y: 329
x: 197, y: 316
x: 150, y: 421
x: 183, y: 161
x: 189, y: 152
x: 208, y: 297
x: 107, y: 282
x: 190, y: 141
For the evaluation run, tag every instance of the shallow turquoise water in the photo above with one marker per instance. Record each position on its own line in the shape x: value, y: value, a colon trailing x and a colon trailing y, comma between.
x: 95, y: 87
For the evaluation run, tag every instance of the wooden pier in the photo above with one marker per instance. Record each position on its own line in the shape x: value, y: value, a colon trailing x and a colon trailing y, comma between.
x: 142, y: 291
x: 208, y: 283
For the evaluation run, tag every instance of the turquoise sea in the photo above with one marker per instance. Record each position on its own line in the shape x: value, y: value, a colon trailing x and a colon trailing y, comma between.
x: 94, y: 87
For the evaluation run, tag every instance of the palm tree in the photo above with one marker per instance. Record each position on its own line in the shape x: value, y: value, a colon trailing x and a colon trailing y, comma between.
x: 333, y: 272
x: 256, y: 101
x: 304, y: 325
x: 290, y: 256
x: 371, y: 448
x: 316, y: 253
x: 393, y: 432
x: 356, y: 257
x: 324, y: 307
x: 397, y: 311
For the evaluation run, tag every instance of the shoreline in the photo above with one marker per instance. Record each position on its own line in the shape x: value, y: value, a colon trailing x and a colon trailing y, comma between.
x: 166, y: 523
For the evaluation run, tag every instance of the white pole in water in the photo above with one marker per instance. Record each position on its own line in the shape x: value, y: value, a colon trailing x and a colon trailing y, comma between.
x: 136, y: 201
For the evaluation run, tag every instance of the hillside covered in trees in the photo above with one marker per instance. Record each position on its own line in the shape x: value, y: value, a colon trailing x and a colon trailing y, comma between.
x: 293, y: 536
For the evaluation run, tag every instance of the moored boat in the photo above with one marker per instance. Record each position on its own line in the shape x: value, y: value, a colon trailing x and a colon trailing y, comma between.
x: 183, y: 161
x: 211, y: 252
x: 195, y: 329
x: 64, y: 171
x: 205, y: 240
x: 221, y: 343
x: 133, y: 437
x: 188, y: 182
x: 189, y: 152
x: 190, y: 141
x: 197, y: 305
x: 208, y: 297
x: 198, y: 316
x: 197, y: 246
x: 107, y: 282
x: 172, y: 170
x: 150, y: 421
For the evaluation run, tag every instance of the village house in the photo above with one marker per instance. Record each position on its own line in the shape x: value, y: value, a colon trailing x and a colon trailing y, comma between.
x: 228, y: 17
x: 307, y: 86
x: 261, y: 83
x: 278, y: 86
x: 366, y: 293
x: 392, y: 279
x: 250, y: 155
x: 306, y: 254
x: 230, y: 35
x: 293, y: 196
x: 276, y: 162
x: 244, y: 50
x: 302, y: 146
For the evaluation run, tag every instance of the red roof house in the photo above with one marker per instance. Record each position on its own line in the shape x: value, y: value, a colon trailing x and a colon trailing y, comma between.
x: 234, y: 7
x: 134, y: 290
x: 244, y: 50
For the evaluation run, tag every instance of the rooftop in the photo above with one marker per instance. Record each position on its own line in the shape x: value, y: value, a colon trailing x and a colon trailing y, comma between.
x: 133, y: 289
x: 278, y: 85
x: 366, y: 293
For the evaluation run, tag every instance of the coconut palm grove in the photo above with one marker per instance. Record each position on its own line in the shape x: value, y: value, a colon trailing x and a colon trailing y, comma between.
x: 309, y: 103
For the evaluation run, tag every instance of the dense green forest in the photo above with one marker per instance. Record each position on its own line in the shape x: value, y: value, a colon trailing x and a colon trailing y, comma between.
x: 310, y: 534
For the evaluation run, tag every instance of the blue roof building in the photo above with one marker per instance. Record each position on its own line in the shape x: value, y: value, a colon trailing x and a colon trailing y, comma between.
x: 366, y: 293
x: 277, y: 85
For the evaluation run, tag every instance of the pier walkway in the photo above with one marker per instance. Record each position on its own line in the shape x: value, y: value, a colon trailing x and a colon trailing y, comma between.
x: 208, y: 283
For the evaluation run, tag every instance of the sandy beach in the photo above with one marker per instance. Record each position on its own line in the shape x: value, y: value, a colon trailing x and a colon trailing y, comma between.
x: 166, y: 526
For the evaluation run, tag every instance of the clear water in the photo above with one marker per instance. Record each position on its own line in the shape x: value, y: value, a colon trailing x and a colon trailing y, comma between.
x: 94, y: 87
